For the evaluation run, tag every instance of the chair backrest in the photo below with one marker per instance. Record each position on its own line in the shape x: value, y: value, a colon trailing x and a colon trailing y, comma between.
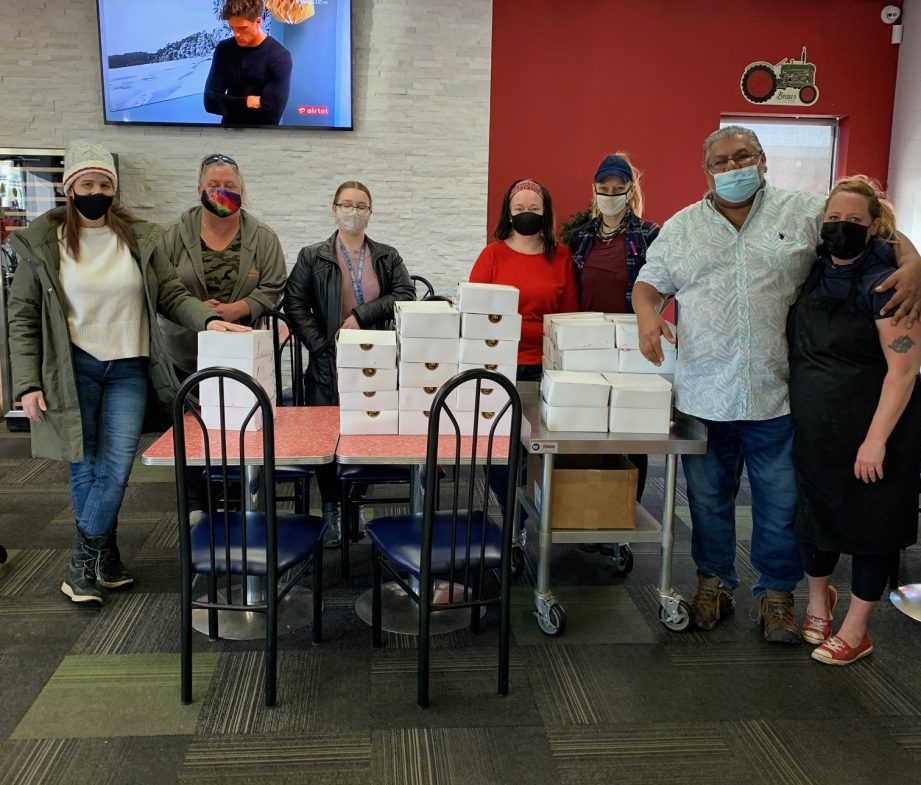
x: 288, y: 356
x: 428, y: 289
x: 472, y: 511
x: 231, y: 531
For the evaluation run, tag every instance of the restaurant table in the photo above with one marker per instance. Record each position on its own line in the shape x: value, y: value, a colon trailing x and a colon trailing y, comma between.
x: 686, y: 436
x: 304, y: 435
x: 399, y: 612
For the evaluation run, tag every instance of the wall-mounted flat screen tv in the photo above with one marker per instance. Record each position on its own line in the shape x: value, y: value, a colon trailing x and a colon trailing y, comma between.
x: 177, y: 62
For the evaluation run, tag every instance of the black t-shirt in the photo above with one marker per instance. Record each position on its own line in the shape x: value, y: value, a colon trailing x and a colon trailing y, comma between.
x: 239, y: 71
x: 875, y: 265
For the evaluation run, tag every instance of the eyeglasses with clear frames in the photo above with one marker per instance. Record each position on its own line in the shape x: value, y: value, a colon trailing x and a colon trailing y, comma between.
x: 347, y: 209
x: 740, y: 160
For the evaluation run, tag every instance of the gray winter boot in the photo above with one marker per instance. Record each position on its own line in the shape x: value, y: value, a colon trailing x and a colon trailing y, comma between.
x: 79, y: 584
x: 332, y: 538
x: 110, y: 572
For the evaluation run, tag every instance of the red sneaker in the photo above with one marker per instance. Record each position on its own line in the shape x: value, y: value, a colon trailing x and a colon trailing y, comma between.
x: 816, y: 629
x: 836, y: 651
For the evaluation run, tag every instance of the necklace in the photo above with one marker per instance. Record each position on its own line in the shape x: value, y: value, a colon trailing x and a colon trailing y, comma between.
x: 608, y: 236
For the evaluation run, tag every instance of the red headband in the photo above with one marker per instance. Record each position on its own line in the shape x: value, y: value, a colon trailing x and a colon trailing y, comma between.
x: 527, y: 185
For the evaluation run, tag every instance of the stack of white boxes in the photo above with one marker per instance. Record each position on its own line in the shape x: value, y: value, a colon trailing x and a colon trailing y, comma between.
x: 366, y: 363
x: 583, y: 344
x: 427, y: 333
x: 490, y: 332
x: 640, y: 403
x: 251, y: 353
x: 630, y: 358
x: 574, y: 401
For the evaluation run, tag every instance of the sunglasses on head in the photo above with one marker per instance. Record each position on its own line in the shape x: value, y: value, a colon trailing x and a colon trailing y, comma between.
x: 218, y: 159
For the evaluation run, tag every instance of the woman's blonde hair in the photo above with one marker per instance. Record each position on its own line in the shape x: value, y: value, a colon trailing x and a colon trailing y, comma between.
x: 879, y: 206
x: 118, y: 218
x: 635, y: 201
x: 202, y: 176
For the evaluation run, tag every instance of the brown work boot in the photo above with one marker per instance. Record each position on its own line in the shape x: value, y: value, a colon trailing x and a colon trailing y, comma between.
x: 711, y: 603
x: 778, y: 622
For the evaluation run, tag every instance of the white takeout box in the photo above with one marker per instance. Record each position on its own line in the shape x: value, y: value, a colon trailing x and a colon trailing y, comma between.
x: 628, y: 336
x: 376, y: 400
x: 487, y: 298
x: 488, y: 352
x: 486, y: 418
x: 569, y: 388
x: 419, y: 399
x: 497, y: 326
x: 551, y: 318
x: 632, y: 361
x: 366, y: 349
x: 233, y: 418
x: 427, y: 319
x: 257, y: 343
x: 584, y: 334
x: 426, y: 374
x: 428, y: 350
x: 414, y: 423
x: 509, y: 371
x: 371, y: 422
x: 591, y: 360
x: 628, y: 420
x: 235, y: 394
x: 367, y: 379
x: 492, y: 396
x: 591, y: 419
x: 639, y: 391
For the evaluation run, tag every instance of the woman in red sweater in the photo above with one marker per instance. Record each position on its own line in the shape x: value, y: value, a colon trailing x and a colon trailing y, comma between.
x: 526, y: 255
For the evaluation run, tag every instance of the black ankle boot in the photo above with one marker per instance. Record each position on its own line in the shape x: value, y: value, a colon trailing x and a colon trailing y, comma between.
x: 79, y: 584
x: 110, y: 572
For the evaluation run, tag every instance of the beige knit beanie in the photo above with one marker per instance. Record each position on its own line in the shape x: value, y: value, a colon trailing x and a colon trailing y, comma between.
x: 83, y: 157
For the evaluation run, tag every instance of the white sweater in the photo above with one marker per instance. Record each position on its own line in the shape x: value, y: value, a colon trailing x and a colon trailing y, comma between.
x: 107, y: 314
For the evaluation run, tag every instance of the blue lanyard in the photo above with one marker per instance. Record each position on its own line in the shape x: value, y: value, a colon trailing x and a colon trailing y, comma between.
x: 356, y: 283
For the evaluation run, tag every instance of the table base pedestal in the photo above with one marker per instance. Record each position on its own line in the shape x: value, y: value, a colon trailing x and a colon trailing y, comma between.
x: 908, y: 600
x: 295, y: 612
x: 400, y: 613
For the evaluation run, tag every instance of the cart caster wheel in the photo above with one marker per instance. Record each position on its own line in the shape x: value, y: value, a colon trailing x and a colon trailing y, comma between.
x: 554, y: 622
x: 678, y: 623
x: 517, y: 562
x: 622, y: 560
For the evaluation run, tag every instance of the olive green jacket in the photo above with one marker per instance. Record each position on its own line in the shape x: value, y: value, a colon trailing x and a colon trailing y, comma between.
x: 40, y: 349
x: 260, y: 277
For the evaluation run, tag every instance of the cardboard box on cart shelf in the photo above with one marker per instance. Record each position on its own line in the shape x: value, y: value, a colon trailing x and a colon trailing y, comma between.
x: 589, y: 491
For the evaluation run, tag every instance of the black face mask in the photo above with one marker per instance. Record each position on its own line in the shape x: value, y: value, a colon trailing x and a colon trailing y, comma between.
x: 527, y: 223
x: 844, y: 240
x: 93, y: 206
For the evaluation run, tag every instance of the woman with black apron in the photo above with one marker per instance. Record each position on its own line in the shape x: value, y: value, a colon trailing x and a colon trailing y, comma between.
x: 856, y: 405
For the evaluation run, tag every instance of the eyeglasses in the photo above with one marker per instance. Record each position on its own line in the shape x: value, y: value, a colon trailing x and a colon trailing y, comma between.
x: 740, y: 160
x: 347, y: 209
x: 219, y: 159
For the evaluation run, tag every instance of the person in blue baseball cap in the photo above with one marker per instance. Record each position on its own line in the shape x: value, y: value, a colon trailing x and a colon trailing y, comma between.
x: 608, y: 251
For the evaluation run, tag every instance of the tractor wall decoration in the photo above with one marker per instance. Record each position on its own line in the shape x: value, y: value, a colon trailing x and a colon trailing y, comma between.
x: 789, y: 82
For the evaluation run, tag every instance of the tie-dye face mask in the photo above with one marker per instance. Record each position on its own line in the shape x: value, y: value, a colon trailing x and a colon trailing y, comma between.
x: 221, y: 202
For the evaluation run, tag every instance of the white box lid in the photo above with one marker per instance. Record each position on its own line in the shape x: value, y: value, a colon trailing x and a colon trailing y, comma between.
x: 648, y: 382
x: 574, y: 388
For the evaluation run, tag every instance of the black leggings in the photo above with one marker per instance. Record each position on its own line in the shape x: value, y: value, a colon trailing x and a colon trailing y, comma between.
x: 869, y: 574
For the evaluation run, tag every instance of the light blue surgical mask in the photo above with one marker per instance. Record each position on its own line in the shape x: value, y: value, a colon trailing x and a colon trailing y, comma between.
x: 737, y: 185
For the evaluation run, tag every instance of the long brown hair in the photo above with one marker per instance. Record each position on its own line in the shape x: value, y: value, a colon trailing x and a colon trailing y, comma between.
x: 504, y: 228
x: 353, y: 184
x: 879, y: 206
x: 118, y: 218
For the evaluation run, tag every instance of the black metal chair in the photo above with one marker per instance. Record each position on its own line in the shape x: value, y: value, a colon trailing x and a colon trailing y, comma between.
x: 287, y: 355
x: 240, y: 539
x: 460, y: 545
x: 2, y: 554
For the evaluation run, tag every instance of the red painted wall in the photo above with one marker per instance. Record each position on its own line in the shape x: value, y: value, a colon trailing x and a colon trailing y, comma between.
x: 574, y: 81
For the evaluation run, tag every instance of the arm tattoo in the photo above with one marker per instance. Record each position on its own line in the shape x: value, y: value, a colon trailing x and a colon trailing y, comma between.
x: 901, y: 344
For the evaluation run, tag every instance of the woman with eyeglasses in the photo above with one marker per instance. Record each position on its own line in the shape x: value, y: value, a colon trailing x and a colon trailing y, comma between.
x: 86, y: 350
x: 224, y: 255
x: 346, y: 281
x: 608, y: 252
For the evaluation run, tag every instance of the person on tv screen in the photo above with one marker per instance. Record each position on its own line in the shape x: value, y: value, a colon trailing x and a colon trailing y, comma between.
x: 250, y: 75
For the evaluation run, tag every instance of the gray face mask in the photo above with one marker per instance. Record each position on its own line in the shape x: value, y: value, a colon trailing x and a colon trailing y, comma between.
x: 611, y: 205
x: 352, y: 224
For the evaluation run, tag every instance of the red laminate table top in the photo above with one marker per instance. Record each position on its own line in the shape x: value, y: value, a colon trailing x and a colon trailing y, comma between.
x: 303, y: 435
x: 412, y: 449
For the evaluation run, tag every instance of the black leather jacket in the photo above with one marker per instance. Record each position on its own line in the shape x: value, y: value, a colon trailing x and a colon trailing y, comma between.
x: 312, y: 302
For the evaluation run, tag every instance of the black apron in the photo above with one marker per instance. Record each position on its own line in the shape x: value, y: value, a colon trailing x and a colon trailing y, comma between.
x: 837, y: 368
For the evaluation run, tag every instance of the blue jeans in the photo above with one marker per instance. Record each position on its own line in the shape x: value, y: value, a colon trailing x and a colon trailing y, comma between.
x: 765, y: 448
x: 113, y: 397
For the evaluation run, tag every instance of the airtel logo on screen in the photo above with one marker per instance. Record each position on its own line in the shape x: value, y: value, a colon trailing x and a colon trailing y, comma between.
x: 317, y: 110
